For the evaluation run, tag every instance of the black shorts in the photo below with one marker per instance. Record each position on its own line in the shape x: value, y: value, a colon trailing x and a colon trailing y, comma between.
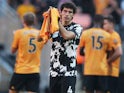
x: 62, y: 84
x: 112, y: 84
x: 98, y: 83
x: 29, y: 82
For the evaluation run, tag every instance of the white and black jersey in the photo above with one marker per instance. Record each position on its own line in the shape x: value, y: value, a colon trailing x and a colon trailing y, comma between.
x: 63, y: 52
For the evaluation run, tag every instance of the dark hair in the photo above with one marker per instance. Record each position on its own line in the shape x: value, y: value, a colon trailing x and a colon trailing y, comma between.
x: 98, y: 20
x: 29, y: 18
x: 69, y: 5
x: 109, y: 18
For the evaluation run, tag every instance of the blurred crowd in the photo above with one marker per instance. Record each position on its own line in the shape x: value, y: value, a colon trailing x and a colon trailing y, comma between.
x: 86, y: 10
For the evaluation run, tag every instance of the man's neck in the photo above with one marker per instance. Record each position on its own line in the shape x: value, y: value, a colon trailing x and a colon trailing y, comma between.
x: 29, y: 27
x: 97, y: 26
x: 66, y: 23
x: 111, y: 30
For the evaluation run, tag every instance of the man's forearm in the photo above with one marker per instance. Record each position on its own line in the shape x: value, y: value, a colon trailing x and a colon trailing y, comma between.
x: 65, y: 34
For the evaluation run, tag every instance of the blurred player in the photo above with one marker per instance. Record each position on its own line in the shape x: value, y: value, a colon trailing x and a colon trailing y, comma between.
x: 114, y: 65
x: 27, y: 67
x: 94, y: 44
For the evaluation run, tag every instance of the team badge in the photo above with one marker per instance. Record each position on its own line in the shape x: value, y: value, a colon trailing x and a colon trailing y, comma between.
x: 115, y: 41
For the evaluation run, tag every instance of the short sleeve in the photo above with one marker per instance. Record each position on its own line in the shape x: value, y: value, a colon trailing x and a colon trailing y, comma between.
x: 15, y: 39
x: 77, y: 30
x: 116, y: 42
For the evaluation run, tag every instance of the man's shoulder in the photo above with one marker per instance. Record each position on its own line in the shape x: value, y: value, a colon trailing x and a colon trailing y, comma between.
x: 99, y: 31
x: 89, y: 30
x: 116, y: 34
x: 105, y: 33
x: 78, y: 28
x: 17, y: 31
x: 76, y: 24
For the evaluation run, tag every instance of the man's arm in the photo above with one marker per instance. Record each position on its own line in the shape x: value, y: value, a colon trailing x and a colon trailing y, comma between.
x: 39, y: 39
x: 82, y: 51
x: 66, y: 34
x: 117, y: 53
x: 109, y: 52
x: 15, y: 41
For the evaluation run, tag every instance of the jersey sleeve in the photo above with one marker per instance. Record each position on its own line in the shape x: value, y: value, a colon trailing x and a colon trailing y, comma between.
x: 15, y: 39
x: 116, y: 42
x: 77, y: 30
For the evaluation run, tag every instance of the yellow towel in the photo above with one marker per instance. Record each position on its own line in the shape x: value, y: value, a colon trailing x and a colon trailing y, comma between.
x: 54, y: 20
x: 50, y: 23
x: 44, y: 32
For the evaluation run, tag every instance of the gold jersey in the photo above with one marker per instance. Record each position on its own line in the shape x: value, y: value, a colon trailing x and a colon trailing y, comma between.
x: 29, y: 50
x: 96, y: 42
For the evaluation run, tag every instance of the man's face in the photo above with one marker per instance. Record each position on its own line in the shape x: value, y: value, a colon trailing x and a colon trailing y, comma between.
x: 67, y: 14
x: 107, y: 25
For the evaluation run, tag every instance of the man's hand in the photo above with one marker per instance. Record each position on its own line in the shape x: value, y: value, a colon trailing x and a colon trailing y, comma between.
x: 39, y: 39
